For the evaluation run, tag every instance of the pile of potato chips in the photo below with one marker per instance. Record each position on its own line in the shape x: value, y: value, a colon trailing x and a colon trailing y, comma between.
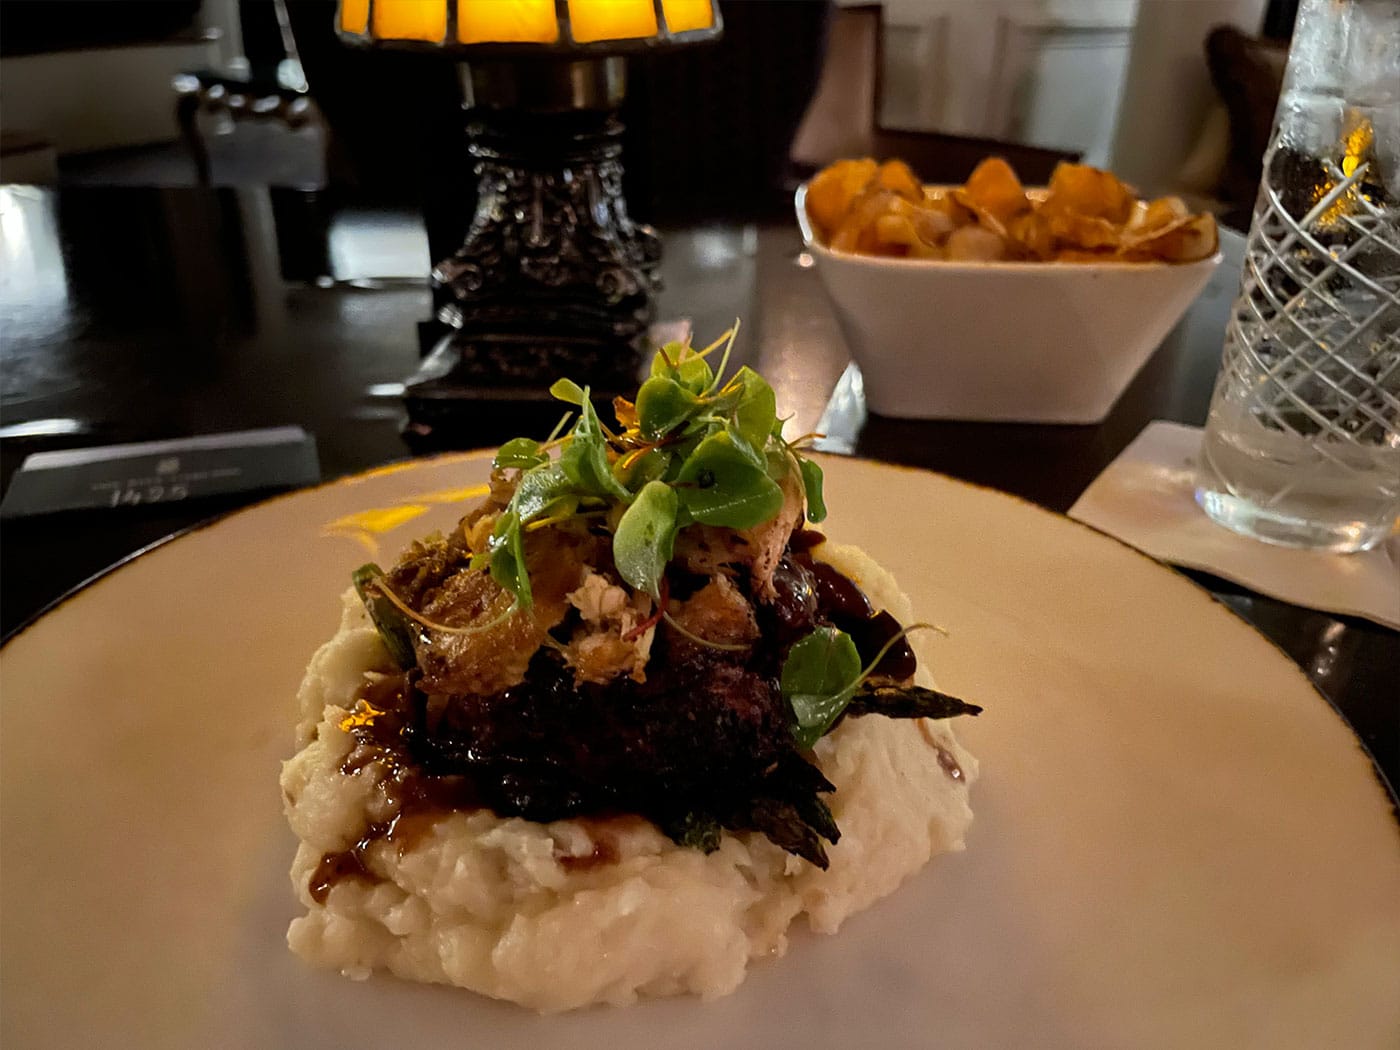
x: 1084, y: 215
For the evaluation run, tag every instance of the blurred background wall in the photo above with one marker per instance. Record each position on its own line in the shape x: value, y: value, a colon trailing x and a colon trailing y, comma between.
x: 89, y: 75
x: 86, y: 94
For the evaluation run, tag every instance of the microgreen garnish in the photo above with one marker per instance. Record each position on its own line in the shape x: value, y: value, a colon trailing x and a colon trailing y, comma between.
x: 821, y: 675
x: 507, y: 552
x: 693, y: 448
x: 664, y: 404
x: 584, y: 458
x: 812, y: 486
x: 720, y: 484
x: 818, y: 678
x: 645, y: 537
x: 655, y: 618
x: 520, y: 453
x: 567, y: 391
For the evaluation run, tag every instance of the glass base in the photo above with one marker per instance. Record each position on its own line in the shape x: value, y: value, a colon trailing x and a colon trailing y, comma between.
x: 1338, y: 537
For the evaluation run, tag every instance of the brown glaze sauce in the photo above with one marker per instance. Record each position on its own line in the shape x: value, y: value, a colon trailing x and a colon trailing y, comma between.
x: 605, y: 834
x: 336, y: 867
x: 837, y: 594
x: 377, y: 724
x: 842, y: 601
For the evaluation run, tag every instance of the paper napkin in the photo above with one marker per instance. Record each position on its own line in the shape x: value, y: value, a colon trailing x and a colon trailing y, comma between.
x: 1146, y: 498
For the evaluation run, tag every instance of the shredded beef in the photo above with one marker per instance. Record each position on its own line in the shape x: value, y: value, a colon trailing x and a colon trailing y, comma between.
x: 697, y: 731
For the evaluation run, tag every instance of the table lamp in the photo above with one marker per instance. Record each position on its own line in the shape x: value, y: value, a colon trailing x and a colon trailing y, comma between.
x: 553, y: 278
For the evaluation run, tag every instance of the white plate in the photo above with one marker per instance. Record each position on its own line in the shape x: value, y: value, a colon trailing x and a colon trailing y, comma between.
x: 1177, y: 842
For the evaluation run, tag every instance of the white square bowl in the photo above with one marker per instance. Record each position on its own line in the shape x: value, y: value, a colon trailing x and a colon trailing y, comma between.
x: 1028, y: 342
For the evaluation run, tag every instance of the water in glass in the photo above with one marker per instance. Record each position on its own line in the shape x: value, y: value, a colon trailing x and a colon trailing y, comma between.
x: 1302, y: 445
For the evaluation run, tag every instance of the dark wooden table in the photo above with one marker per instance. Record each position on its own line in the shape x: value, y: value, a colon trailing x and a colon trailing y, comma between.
x: 137, y: 314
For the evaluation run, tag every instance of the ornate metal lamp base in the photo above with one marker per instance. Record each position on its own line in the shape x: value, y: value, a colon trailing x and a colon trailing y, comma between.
x: 553, y: 278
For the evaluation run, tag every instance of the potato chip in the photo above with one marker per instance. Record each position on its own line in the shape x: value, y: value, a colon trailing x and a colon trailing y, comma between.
x: 899, y: 235
x: 933, y: 225
x: 1031, y: 233
x: 832, y: 190
x: 1085, y: 215
x: 1081, y: 190
x: 1186, y: 240
x: 941, y: 202
x: 975, y: 244
x: 898, y: 177
x: 856, y: 232
x: 1077, y: 230
x: 994, y: 190
x: 847, y: 237
x: 1149, y: 216
x: 895, y: 229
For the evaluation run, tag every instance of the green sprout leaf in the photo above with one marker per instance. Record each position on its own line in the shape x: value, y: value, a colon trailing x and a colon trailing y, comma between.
x: 812, y: 682
x: 812, y: 486
x: 819, y: 677
x: 568, y: 391
x: 756, y: 456
x: 540, y: 490
x: 507, y: 550
x: 649, y: 466
x: 779, y: 462
x: 664, y: 361
x: 585, y: 457
x: 646, y: 537
x: 680, y: 455
x: 694, y: 373
x: 679, y: 363
x: 720, y: 485
x: 544, y: 490
x: 757, y: 409
x: 664, y: 404
x: 521, y: 453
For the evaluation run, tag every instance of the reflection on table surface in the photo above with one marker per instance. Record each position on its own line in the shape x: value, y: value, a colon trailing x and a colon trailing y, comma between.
x: 135, y: 314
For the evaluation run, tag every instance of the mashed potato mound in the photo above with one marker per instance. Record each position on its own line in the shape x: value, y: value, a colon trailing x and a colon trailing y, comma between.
x: 562, y: 915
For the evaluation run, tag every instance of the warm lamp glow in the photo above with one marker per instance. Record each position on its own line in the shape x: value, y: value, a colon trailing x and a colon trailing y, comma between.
x: 611, y: 19
x: 354, y: 15
x: 410, y: 20
x: 507, y: 22
x: 590, y: 26
x: 684, y: 15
